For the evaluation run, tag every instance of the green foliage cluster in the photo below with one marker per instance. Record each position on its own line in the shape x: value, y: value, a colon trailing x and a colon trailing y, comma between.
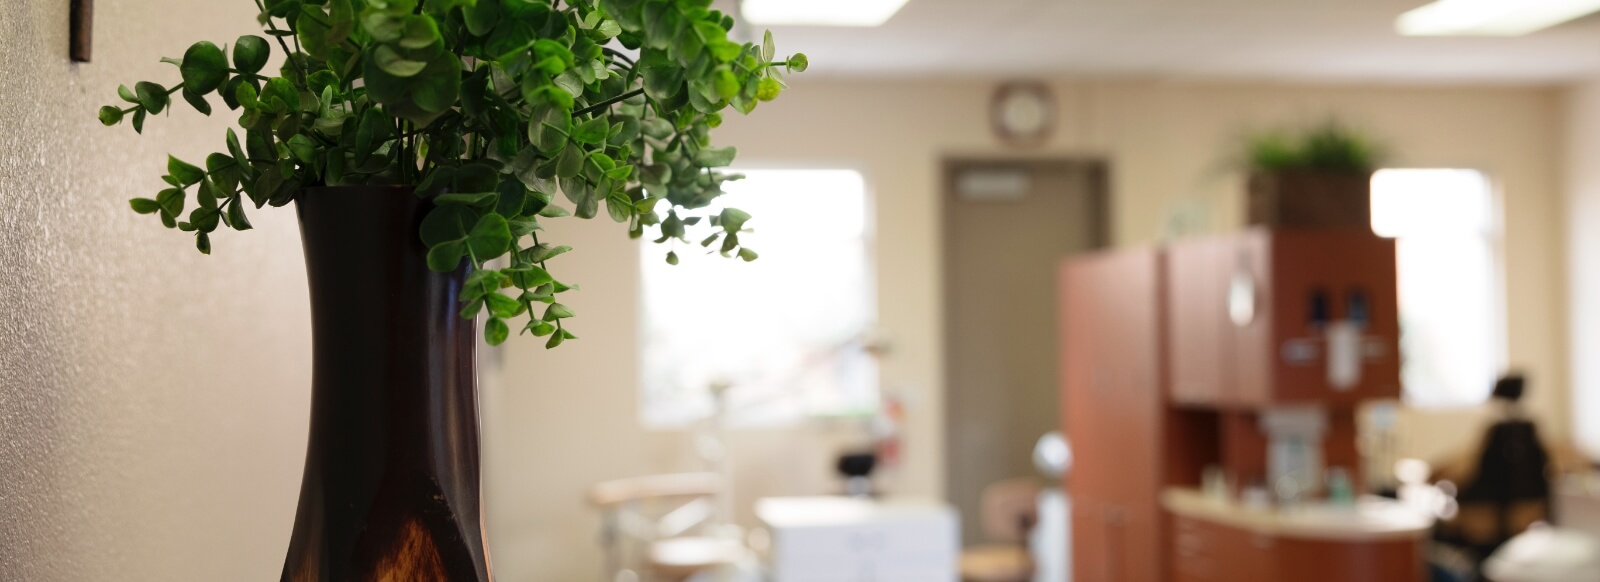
x: 1328, y: 147
x: 492, y: 108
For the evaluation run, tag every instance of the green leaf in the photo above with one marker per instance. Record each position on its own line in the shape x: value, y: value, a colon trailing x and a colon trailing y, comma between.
x: 303, y: 148
x: 570, y: 163
x: 592, y: 132
x: 394, y: 64
x: 490, y: 238
x: 186, y: 173
x: 663, y: 78
x: 421, y: 31
x: 250, y: 53
x: 480, y: 283
x: 202, y: 241
x: 476, y: 178
x: 768, y: 48
x: 733, y: 219
x: 458, y: 199
x: 768, y: 89
x: 197, y: 102
x: 540, y: 328
x: 237, y: 218
x: 372, y: 122
x: 447, y: 223
x: 145, y: 205
x: 513, y: 198
x: 245, y: 95
x: 715, y: 157
x: 446, y: 257
x: 798, y: 63
x: 748, y: 255
x: 110, y: 115
x: 544, y: 252
x: 724, y: 50
x: 171, y: 201
x: 672, y: 258
x: 502, y: 306
x: 481, y: 16
x: 383, y: 26
x: 127, y: 94
x: 280, y: 95
x: 557, y: 311
x: 619, y: 207
x: 495, y: 330
x: 471, y: 309
x: 726, y: 84
x: 555, y: 341
x: 549, y: 129
x: 529, y: 277
x: 341, y: 21
x: 152, y: 97
x: 238, y: 152
x: 312, y: 29
x: 204, y: 68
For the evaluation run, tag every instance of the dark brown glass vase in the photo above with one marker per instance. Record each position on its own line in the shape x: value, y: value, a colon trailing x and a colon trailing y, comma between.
x: 391, y: 486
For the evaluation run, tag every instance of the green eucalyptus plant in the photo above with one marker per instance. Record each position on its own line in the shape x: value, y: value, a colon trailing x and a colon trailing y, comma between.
x: 489, y: 107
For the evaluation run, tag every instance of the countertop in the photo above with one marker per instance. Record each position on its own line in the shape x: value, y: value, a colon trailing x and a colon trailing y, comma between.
x: 845, y: 511
x: 1370, y: 520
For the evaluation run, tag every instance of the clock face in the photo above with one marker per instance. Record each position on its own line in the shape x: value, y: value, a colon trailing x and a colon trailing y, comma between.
x: 1024, y: 112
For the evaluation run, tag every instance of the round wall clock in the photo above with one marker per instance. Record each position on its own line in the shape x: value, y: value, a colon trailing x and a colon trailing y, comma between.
x: 1023, y: 113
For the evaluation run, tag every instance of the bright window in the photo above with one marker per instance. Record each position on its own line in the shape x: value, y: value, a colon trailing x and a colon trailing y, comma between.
x: 1446, y: 230
x: 787, y: 332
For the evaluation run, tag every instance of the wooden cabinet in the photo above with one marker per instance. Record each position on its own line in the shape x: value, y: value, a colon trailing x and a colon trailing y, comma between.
x: 1112, y: 371
x: 1167, y: 357
x: 1207, y: 552
x: 1210, y: 552
x: 1249, y: 316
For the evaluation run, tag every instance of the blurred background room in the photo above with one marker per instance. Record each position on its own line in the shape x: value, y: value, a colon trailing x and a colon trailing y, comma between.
x: 1048, y: 290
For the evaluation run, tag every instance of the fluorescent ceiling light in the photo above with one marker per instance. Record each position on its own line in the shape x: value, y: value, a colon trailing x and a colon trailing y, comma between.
x: 863, y: 13
x: 1491, y: 17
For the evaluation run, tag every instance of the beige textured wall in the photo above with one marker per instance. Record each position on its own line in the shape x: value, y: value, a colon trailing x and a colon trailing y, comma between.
x: 153, y: 401
x: 552, y: 437
x: 1583, y: 236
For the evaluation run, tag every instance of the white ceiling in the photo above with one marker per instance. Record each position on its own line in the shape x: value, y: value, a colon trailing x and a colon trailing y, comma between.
x: 1336, y: 40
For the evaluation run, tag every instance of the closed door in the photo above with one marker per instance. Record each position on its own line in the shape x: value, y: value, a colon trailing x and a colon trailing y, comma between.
x: 1006, y: 229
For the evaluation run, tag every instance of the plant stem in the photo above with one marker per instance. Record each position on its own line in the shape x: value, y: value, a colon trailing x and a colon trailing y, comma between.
x: 288, y: 54
x: 616, y: 54
x: 601, y: 106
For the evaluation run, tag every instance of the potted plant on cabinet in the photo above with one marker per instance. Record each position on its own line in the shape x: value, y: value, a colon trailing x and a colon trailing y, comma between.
x: 1320, y: 178
x: 422, y: 143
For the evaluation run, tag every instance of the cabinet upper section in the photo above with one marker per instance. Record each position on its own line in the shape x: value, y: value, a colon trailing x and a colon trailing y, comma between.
x: 1267, y: 317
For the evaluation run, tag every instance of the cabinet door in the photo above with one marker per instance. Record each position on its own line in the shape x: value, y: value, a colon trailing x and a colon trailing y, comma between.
x: 1140, y: 549
x: 1112, y: 374
x: 1196, y: 299
x: 1337, y: 273
x: 1244, y: 556
x: 1090, y: 560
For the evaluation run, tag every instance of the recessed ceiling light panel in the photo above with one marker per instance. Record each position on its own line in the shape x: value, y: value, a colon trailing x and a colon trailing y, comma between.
x: 1491, y: 17
x: 859, y: 13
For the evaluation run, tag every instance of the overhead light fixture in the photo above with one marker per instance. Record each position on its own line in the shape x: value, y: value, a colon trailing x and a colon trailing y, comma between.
x: 1491, y: 17
x: 858, y: 13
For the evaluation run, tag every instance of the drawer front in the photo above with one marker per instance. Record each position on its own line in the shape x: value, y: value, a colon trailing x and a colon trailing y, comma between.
x: 1194, y: 548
